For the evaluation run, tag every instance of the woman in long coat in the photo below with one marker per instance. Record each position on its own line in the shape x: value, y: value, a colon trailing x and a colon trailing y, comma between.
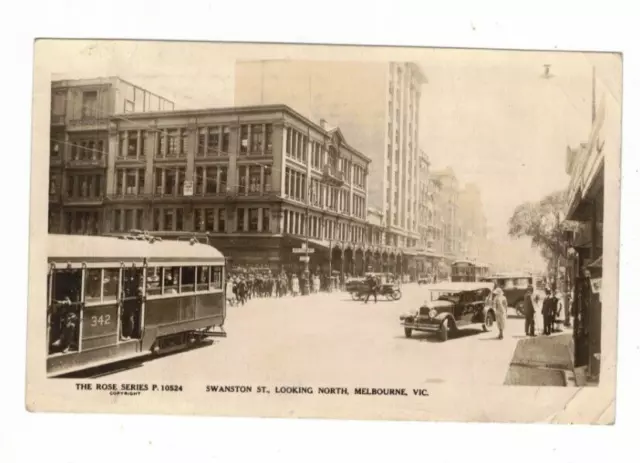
x: 500, y: 308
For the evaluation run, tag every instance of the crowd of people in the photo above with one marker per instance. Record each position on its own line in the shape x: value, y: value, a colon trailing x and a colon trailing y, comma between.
x: 243, y: 286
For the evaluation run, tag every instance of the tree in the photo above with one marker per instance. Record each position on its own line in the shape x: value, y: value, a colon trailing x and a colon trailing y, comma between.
x: 545, y: 223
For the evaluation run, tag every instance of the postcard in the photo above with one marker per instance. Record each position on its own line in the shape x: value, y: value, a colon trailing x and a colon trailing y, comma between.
x: 298, y: 231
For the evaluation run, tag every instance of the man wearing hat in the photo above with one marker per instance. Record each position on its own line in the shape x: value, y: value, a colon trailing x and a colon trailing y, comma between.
x: 500, y: 309
x: 529, y: 313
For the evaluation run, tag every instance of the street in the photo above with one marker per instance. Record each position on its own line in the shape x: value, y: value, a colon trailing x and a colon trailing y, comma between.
x: 329, y: 339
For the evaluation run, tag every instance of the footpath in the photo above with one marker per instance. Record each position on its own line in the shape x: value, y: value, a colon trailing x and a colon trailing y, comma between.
x: 543, y: 361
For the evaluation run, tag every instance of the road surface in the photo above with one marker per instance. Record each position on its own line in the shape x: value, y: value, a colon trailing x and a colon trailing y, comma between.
x: 331, y: 339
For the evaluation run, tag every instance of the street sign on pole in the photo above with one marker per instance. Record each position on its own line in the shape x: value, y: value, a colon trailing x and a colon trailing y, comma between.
x: 304, y: 258
x: 303, y: 250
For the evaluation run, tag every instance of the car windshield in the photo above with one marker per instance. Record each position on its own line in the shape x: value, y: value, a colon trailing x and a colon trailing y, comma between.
x: 449, y: 297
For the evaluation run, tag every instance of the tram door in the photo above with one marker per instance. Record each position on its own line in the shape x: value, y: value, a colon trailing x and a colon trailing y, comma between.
x: 131, y: 315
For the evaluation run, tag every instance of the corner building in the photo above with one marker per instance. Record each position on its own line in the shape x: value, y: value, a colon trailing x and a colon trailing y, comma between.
x: 256, y: 182
x: 79, y: 145
x: 376, y: 105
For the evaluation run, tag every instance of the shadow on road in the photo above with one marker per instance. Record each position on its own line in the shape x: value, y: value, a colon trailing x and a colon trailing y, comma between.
x: 433, y: 337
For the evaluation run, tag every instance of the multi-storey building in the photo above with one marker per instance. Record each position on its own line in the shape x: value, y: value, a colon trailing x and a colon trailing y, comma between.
x: 473, y: 222
x: 447, y: 205
x: 255, y: 182
x: 377, y: 106
x: 79, y: 146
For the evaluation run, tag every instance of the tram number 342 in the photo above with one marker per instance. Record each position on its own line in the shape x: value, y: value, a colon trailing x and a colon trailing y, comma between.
x: 101, y: 320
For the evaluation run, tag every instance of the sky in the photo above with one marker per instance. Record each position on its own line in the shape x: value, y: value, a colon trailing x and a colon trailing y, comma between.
x: 490, y: 115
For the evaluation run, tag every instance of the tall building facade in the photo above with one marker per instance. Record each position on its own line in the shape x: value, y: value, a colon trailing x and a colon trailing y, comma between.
x: 377, y: 106
x: 473, y: 222
x: 79, y: 144
x: 447, y: 204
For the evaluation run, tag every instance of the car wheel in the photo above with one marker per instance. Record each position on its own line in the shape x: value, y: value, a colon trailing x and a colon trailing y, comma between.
x: 444, y: 331
x: 355, y: 296
x: 396, y: 295
x: 407, y: 332
x: 488, y: 321
x: 520, y: 308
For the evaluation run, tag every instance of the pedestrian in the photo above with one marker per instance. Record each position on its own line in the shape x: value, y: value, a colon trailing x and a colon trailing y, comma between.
x: 295, y: 285
x: 500, y: 309
x: 529, y: 313
x: 549, y: 310
x: 372, y: 286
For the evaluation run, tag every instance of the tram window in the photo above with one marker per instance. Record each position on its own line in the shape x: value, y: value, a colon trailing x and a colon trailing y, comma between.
x: 154, y: 282
x: 188, y: 280
x: 110, y: 282
x: 508, y: 284
x: 171, y: 280
x: 203, y: 278
x: 93, y: 285
x: 216, y: 278
x: 64, y: 312
x: 522, y: 282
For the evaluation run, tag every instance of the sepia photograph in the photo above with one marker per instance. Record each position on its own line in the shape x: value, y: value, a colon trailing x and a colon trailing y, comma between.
x: 324, y: 231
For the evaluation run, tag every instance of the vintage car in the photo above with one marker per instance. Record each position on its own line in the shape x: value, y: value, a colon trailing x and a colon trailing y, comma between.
x: 452, y: 306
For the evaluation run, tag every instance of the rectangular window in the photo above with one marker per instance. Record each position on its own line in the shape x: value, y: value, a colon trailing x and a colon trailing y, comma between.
x: 117, y: 220
x: 213, y: 144
x: 240, y: 219
x: 187, y: 279
x: 89, y: 104
x: 223, y: 180
x: 267, y: 179
x: 254, y: 179
x: 181, y: 178
x: 268, y: 137
x: 225, y: 141
x: 256, y: 139
x: 143, y: 138
x: 266, y: 226
x: 180, y: 219
x: 156, y: 219
x: 200, y: 173
x: 216, y: 278
x: 170, y: 182
x: 253, y: 219
x: 139, y: 220
x: 242, y: 179
x: 212, y: 180
x: 128, y: 220
x: 173, y: 142
x: 184, y: 141
x: 244, y: 139
x: 209, y: 219
x: 168, y: 220
x: 203, y: 278
x: 222, y: 216
x: 160, y: 143
x: 198, y: 220
x: 171, y: 280
x: 132, y: 145
x: 130, y: 179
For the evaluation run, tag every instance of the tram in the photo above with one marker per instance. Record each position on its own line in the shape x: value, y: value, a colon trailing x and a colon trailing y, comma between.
x: 468, y: 271
x: 112, y: 299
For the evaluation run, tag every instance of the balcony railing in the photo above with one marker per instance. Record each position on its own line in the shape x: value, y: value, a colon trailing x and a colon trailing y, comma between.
x: 90, y: 162
x: 88, y: 121
x: 332, y: 175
